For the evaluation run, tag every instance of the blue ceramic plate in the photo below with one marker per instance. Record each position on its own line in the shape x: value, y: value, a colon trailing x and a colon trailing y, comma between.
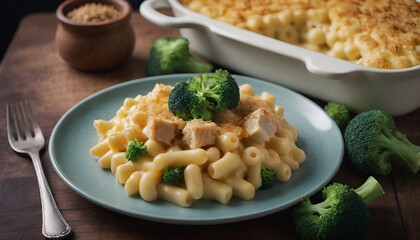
x: 74, y: 134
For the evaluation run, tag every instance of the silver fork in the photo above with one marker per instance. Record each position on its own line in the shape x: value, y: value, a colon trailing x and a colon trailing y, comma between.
x: 25, y: 136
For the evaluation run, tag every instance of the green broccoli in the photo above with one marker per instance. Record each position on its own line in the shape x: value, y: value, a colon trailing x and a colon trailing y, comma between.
x: 135, y: 150
x: 343, y: 213
x: 202, y: 95
x: 268, y: 177
x: 172, y: 175
x: 371, y: 142
x: 339, y: 113
x: 171, y: 55
x: 185, y: 104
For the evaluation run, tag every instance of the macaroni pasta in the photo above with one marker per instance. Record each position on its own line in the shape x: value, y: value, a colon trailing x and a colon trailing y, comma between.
x: 227, y: 164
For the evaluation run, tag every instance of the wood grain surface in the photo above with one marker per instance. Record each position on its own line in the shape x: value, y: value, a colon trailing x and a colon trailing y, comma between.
x: 32, y: 70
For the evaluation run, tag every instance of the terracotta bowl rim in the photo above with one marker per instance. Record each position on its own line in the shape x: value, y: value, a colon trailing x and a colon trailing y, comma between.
x: 61, y: 16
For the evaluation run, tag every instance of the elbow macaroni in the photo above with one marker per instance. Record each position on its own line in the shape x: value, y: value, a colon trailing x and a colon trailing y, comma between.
x: 381, y: 34
x: 231, y: 167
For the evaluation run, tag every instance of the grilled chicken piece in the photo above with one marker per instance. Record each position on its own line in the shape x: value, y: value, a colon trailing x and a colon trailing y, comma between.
x: 249, y: 104
x: 226, y: 116
x: 161, y: 130
x: 260, y: 125
x: 198, y: 133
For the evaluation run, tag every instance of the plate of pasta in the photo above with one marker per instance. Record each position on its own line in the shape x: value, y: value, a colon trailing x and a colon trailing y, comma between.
x: 222, y: 160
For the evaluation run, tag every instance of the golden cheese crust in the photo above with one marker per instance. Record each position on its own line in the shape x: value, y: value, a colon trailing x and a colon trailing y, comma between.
x: 375, y: 33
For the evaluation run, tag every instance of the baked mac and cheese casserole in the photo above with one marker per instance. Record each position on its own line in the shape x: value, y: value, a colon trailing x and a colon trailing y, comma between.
x: 375, y: 33
x: 220, y: 159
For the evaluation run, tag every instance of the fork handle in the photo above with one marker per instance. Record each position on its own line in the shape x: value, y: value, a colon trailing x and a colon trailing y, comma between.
x: 53, y: 223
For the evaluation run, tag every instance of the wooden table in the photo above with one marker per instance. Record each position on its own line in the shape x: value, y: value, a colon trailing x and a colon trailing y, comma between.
x: 33, y: 70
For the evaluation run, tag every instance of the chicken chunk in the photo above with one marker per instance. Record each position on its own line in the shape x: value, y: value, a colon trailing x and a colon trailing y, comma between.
x: 226, y: 116
x: 198, y: 133
x: 233, y: 120
x: 249, y: 104
x: 260, y: 125
x: 161, y: 130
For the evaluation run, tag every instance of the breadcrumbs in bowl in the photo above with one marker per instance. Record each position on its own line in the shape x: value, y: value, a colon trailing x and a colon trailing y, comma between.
x: 94, y: 13
x: 94, y: 35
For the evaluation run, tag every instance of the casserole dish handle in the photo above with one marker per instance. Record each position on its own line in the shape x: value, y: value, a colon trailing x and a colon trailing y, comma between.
x: 316, y: 63
x: 322, y: 65
x: 148, y: 9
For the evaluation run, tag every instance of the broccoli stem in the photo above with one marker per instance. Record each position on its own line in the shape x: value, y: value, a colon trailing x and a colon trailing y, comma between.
x: 190, y: 64
x: 322, y: 207
x: 398, y: 144
x: 319, y: 208
x: 370, y: 190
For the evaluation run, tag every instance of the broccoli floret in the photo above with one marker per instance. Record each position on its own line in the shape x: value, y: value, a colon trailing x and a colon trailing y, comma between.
x: 204, y: 94
x: 268, y: 177
x: 343, y: 213
x: 172, y: 55
x: 185, y: 103
x: 135, y: 150
x: 172, y: 175
x: 339, y: 113
x: 220, y: 89
x: 372, y: 143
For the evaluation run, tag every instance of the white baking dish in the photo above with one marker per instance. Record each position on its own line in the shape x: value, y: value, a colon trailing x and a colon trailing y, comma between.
x: 361, y: 88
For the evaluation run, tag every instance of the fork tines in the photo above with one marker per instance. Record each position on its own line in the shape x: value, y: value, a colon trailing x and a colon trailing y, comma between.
x: 20, y: 120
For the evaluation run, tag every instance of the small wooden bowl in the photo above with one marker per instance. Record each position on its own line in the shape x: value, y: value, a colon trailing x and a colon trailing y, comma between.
x: 94, y: 46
